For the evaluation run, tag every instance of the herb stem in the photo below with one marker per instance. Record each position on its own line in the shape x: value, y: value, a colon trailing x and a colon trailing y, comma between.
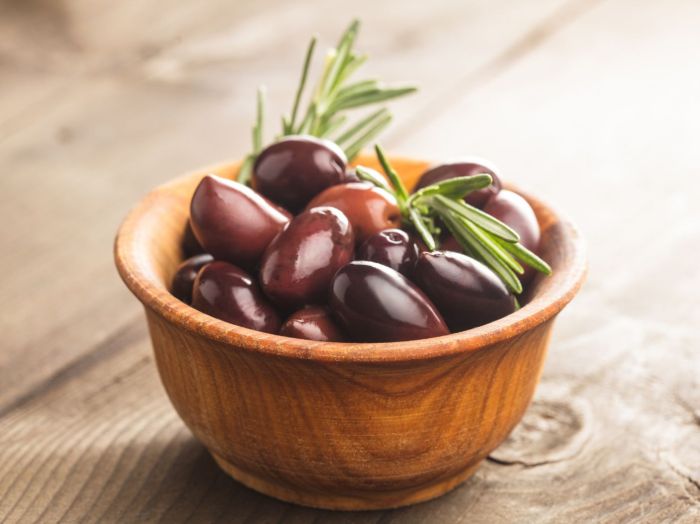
x: 370, y: 134
x: 259, y: 119
x: 302, y: 84
x: 399, y: 188
x: 417, y: 220
x: 370, y: 175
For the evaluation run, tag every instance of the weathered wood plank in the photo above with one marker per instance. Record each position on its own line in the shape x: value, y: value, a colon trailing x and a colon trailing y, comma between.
x: 614, y: 435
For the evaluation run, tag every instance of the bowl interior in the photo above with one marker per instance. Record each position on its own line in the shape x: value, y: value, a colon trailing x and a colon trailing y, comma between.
x: 148, y: 251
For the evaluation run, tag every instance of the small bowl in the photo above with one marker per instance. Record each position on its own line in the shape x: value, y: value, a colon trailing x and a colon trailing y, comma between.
x: 341, y: 425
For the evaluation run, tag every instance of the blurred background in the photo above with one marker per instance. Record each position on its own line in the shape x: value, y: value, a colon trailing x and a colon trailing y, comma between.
x: 593, y: 105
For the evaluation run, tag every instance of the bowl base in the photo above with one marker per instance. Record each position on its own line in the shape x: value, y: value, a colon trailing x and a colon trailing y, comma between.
x: 356, y: 502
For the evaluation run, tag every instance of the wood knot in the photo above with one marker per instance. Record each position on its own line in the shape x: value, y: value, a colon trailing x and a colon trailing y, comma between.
x: 551, y: 431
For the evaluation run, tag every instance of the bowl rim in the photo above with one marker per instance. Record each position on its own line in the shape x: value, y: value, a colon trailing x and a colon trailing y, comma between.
x: 133, y: 267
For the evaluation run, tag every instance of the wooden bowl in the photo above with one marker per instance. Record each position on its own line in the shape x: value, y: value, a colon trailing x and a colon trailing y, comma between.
x: 341, y: 426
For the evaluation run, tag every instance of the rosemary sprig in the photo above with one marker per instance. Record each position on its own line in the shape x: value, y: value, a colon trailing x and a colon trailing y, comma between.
x: 334, y: 95
x: 246, y: 169
x: 370, y: 175
x: 480, y: 235
x: 288, y: 124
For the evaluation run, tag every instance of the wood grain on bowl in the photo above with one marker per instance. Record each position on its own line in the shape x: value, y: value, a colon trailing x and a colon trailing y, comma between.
x: 345, y: 426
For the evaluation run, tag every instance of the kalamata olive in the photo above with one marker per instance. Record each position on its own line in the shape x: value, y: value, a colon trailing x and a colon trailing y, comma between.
x: 312, y: 323
x: 393, y: 248
x: 233, y: 222
x: 467, y: 293
x: 513, y: 210
x: 183, y: 280
x: 369, y: 208
x: 226, y: 292
x: 190, y: 244
x: 299, y: 264
x: 466, y: 168
x: 374, y: 303
x: 293, y: 170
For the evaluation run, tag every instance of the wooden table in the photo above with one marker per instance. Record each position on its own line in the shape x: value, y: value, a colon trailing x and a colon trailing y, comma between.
x: 592, y: 104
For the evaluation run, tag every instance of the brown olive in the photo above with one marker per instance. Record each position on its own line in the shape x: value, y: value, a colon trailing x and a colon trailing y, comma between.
x: 369, y: 208
x: 467, y: 293
x: 233, y: 222
x: 312, y: 323
x: 226, y: 292
x: 393, y: 248
x: 465, y: 168
x: 374, y: 303
x: 184, y: 277
x: 299, y: 264
x: 293, y: 170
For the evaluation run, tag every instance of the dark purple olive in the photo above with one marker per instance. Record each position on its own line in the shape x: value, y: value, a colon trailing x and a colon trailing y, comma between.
x: 374, y: 303
x: 299, y: 264
x: 295, y: 169
x: 226, y: 292
x: 233, y: 222
x: 312, y: 323
x: 465, y: 168
x: 190, y: 244
x: 467, y: 293
x: 369, y: 208
x: 513, y: 210
x: 185, y: 275
x: 393, y: 248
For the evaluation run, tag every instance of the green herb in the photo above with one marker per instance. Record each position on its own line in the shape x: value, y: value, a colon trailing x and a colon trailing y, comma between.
x: 480, y: 235
x: 333, y: 96
x: 370, y: 175
x: 247, y: 166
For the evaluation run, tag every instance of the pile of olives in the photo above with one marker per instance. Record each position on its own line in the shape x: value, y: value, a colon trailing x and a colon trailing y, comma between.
x: 312, y: 252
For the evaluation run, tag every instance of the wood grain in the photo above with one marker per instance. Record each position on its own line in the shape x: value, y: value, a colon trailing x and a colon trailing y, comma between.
x: 105, y: 101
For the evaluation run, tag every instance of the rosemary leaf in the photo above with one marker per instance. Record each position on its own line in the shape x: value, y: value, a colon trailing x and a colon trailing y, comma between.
x: 353, y: 64
x: 369, y: 135
x: 340, y: 58
x: 455, y: 188
x: 370, y: 97
x: 495, y: 249
x: 259, y: 118
x: 400, y: 189
x: 370, y: 175
x: 511, y: 281
x: 483, y: 220
x: 307, y: 123
x: 361, y: 125
x: 246, y: 170
x: 362, y: 87
x: 471, y: 244
x: 528, y: 257
x: 417, y: 221
x: 289, y: 127
x: 332, y: 124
